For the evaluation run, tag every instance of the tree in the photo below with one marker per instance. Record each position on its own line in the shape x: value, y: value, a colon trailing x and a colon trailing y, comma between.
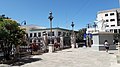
x: 10, y: 35
x: 116, y: 37
x: 80, y: 35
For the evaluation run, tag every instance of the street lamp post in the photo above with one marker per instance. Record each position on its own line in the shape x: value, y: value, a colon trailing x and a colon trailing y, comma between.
x: 95, y: 25
x: 72, y: 37
x: 23, y: 22
x: 88, y: 25
x: 72, y: 28
x: 50, y: 45
x: 50, y: 18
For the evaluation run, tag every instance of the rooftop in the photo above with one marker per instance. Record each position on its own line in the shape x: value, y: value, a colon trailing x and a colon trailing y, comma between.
x: 49, y: 29
x: 33, y: 26
x: 105, y: 33
x: 111, y: 10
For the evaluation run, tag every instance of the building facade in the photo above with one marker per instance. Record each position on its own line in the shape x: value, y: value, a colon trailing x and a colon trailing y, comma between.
x: 41, y: 35
x: 107, y: 21
x: 35, y: 35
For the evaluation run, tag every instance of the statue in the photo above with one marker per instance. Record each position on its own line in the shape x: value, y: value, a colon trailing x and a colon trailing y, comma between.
x: 101, y: 24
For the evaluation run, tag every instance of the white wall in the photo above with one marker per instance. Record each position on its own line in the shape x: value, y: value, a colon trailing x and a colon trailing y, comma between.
x: 101, y: 16
x: 96, y: 39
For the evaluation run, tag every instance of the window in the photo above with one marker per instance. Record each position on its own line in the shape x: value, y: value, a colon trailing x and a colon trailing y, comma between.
x: 64, y: 33
x: 111, y: 14
x: 115, y: 30
x: 30, y: 40
x: 30, y: 34
x: 35, y: 41
x: 59, y: 33
x: 43, y: 33
x: 52, y: 33
x: 39, y: 34
x: 112, y: 20
x: 107, y: 26
x: 107, y: 31
x: 67, y: 34
x: 106, y: 14
x: 107, y: 20
x: 112, y: 25
x: 119, y: 30
x: 118, y: 19
x: 35, y: 35
x: 48, y: 33
x: 111, y: 30
x: 38, y: 40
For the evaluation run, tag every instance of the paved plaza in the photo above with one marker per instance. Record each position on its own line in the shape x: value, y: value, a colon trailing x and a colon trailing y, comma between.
x: 78, y: 57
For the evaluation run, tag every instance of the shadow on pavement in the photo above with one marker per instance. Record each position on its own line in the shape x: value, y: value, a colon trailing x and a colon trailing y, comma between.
x: 69, y: 51
x: 111, y: 53
x: 25, y: 61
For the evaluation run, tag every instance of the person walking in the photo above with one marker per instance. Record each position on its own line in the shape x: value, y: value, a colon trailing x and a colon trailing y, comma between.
x: 106, y: 44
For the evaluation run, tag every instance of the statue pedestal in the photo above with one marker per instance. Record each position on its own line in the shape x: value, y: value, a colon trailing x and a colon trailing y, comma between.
x: 76, y: 45
x: 118, y: 58
x: 73, y: 45
x: 61, y: 43
x: 73, y: 42
x: 51, y: 48
x: 118, y: 55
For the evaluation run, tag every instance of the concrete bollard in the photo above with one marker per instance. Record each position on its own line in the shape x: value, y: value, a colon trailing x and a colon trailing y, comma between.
x: 61, y: 42
x: 118, y: 47
x: 51, y: 48
x: 73, y: 45
x: 76, y: 45
x: 73, y: 42
x: 118, y: 55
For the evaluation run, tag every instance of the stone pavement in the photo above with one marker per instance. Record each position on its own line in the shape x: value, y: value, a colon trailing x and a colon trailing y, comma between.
x: 78, y: 57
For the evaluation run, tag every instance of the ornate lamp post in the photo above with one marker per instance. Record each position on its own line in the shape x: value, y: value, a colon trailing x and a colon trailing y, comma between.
x: 50, y: 18
x: 50, y: 45
x: 72, y: 37
x: 72, y: 28
x: 23, y: 22
x: 88, y: 25
x: 95, y: 25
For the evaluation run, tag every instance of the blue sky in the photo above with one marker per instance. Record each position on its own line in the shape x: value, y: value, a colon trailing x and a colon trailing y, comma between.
x: 36, y: 12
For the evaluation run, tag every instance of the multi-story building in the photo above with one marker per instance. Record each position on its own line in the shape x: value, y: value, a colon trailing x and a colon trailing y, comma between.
x: 39, y: 33
x: 107, y: 21
x: 36, y: 34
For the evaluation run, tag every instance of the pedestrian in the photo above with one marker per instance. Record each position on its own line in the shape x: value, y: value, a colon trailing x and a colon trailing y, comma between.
x: 106, y: 44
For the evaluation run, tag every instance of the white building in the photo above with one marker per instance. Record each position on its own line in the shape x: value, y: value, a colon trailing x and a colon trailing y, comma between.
x: 36, y: 33
x: 107, y: 21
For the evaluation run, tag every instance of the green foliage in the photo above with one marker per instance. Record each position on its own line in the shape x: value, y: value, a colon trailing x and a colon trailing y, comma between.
x: 80, y: 35
x: 117, y: 36
x: 10, y: 34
